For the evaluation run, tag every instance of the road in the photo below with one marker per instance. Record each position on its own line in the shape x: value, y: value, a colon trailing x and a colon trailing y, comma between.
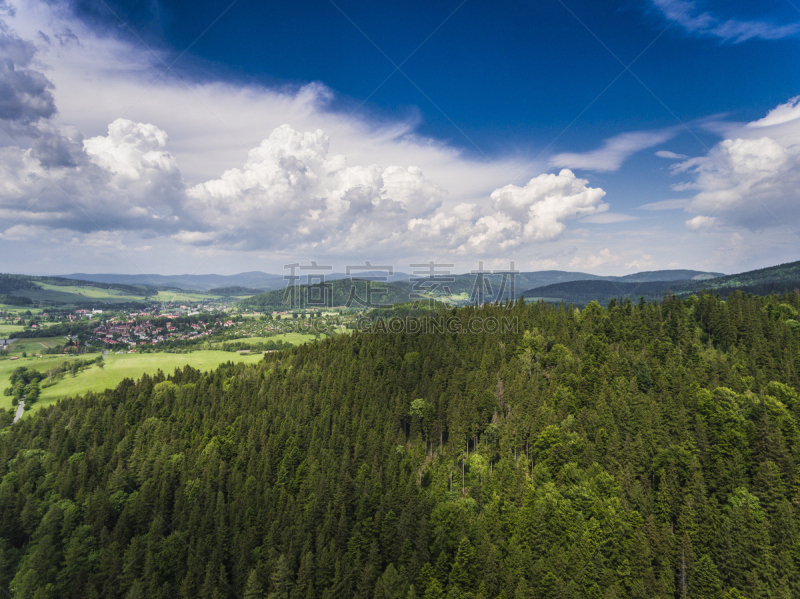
x: 20, y: 410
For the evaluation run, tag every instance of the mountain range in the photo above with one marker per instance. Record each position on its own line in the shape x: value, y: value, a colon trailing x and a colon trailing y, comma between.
x: 460, y: 283
x: 774, y: 279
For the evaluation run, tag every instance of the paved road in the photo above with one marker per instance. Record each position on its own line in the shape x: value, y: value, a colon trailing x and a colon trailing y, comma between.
x: 20, y: 410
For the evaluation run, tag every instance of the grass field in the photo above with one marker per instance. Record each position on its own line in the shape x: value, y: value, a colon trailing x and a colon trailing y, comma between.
x: 8, y: 330
x: 293, y: 338
x: 182, y: 296
x: 117, y: 368
x: 35, y: 345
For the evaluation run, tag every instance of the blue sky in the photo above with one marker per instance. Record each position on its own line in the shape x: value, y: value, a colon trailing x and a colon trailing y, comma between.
x: 457, y: 155
x: 509, y: 75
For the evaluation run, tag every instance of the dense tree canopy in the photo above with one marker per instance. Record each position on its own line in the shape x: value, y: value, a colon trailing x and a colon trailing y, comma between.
x: 631, y: 451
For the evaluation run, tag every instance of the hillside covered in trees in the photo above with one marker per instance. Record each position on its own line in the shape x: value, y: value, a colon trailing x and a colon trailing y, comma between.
x: 634, y: 451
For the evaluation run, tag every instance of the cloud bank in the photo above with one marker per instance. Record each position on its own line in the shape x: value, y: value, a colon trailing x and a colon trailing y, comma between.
x: 313, y: 181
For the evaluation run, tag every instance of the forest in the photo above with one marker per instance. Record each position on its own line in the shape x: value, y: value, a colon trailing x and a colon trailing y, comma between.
x: 640, y: 450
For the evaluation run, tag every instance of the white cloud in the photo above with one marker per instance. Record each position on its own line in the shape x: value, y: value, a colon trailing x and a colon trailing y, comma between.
x: 292, y: 193
x: 701, y: 222
x: 547, y: 201
x: 666, y: 205
x: 687, y: 14
x: 670, y: 155
x: 614, y: 151
x: 780, y: 115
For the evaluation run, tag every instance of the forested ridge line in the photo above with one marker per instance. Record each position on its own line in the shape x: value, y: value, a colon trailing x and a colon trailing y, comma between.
x: 637, y: 451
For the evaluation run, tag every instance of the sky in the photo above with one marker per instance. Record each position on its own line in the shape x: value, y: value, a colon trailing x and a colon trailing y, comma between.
x: 222, y: 137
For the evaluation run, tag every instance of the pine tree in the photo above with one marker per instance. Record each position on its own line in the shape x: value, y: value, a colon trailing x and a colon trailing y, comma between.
x: 462, y: 575
x: 282, y: 579
x: 253, y: 588
x: 704, y: 582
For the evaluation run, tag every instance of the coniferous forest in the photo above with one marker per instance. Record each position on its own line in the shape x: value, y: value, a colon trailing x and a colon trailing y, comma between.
x: 642, y: 451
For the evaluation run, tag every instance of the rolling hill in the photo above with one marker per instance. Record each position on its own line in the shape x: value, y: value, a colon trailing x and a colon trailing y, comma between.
x: 27, y: 290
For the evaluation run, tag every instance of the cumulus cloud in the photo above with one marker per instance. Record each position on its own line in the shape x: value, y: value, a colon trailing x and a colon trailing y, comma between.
x: 133, y: 155
x: 297, y: 194
x: 614, y: 151
x: 687, y: 14
x: 308, y: 198
x: 547, y: 201
x: 519, y: 215
x: 122, y: 181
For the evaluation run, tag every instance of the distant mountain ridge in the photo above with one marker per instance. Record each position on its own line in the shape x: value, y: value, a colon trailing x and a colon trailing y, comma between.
x: 773, y: 279
x: 252, y: 280
x: 355, y: 293
x: 458, y: 283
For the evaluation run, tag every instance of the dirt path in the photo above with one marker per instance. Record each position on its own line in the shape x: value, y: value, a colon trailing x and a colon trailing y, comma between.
x: 20, y: 410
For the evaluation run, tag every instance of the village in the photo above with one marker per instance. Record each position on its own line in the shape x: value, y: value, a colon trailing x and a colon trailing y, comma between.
x: 84, y: 330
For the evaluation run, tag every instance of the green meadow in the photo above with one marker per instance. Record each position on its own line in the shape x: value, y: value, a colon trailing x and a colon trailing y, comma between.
x: 117, y: 367
x: 35, y: 345
x: 183, y: 296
